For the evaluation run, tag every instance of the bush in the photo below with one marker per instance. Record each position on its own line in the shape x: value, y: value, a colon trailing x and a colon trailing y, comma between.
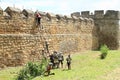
x: 32, y: 70
x: 104, y: 50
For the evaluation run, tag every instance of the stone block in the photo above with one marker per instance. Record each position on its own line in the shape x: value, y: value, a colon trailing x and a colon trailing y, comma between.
x: 51, y: 15
x: 1, y: 11
x: 59, y: 16
x: 28, y: 13
x: 112, y: 14
x: 85, y: 13
x: 99, y: 14
x: 13, y: 12
x: 77, y: 14
x: 68, y: 17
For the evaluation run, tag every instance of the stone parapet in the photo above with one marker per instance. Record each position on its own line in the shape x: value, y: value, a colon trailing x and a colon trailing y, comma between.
x: 85, y: 13
x: 28, y: 13
x: 77, y: 14
x: 99, y: 14
x: 24, y: 22
x: 112, y: 14
x: 1, y: 11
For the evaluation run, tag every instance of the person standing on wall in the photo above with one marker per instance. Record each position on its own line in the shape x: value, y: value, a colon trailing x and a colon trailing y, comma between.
x: 38, y: 19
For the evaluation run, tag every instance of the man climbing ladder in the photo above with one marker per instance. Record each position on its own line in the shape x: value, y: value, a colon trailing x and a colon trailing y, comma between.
x: 38, y: 19
x: 46, y: 46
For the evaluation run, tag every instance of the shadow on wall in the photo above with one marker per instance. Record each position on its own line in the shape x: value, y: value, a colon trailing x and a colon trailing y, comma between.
x: 68, y: 46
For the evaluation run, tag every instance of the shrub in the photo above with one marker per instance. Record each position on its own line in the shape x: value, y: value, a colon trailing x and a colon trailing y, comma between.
x: 32, y: 70
x: 104, y: 51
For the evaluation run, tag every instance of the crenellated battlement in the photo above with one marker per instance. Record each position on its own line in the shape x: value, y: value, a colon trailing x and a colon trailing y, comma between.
x: 23, y: 21
x: 112, y: 14
x: 98, y: 14
x: 25, y: 13
x: 85, y: 13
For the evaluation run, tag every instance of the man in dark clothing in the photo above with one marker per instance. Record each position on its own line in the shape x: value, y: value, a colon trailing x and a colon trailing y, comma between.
x: 60, y: 59
x: 52, y: 59
x: 46, y: 46
x: 68, y: 59
x: 49, y: 67
x: 55, y: 54
x: 38, y: 18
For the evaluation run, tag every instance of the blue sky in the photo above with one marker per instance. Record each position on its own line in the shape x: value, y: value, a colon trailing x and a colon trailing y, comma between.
x: 63, y: 6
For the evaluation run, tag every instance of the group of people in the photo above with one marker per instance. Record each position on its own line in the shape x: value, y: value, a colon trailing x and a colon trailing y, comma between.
x: 56, y: 60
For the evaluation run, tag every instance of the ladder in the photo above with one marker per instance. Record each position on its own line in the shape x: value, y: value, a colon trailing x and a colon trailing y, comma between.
x: 44, y: 42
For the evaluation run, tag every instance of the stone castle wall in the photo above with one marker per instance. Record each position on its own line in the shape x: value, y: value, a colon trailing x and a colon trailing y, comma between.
x: 21, y: 41
x: 107, y: 26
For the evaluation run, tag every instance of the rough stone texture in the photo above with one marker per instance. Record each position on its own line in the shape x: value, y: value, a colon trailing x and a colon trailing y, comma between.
x: 13, y: 12
x: 17, y: 49
x: 77, y: 14
x: 1, y: 11
x: 22, y: 41
x: 85, y: 13
x: 108, y: 28
x: 28, y: 13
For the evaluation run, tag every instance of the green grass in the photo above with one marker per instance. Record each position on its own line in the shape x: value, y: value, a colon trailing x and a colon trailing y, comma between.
x: 9, y: 73
x: 85, y: 66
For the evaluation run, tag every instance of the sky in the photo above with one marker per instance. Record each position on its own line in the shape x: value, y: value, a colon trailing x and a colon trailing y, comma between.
x: 62, y: 6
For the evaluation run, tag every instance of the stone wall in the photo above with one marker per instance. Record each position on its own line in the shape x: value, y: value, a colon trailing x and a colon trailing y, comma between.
x: 17, y: 49
x: 108, y: 28
x: 22, y: 41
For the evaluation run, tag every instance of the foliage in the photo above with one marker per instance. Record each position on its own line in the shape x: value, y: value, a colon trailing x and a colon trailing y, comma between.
x: 104, y: 50
x: 32, y: 70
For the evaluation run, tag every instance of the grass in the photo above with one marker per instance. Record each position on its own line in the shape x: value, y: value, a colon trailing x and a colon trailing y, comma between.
x: 9, y: 73
x: 85, y: 66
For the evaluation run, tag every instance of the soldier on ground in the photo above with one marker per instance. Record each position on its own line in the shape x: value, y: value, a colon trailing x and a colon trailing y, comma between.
x: 68, y: 59
x: 60, y: 59
x: 52, y: 60
x: 48, y: 69
x: 55, y: 54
